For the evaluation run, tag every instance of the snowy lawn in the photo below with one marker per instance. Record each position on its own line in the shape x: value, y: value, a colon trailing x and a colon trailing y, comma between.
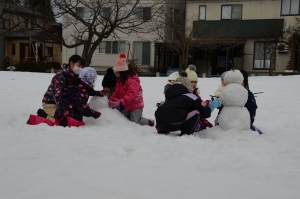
x: 113, y: 158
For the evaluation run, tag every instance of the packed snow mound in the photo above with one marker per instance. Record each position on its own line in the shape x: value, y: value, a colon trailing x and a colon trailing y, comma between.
x: 98, y: 102
x: 234, y: 95
x: 234, y: 118
x: 233, y: 77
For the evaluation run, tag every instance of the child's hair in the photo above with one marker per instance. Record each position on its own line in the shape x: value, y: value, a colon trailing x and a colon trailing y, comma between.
x: 76, y: 58
x: 245, y: 75
x: 183, y: 74
x: 125, y: 74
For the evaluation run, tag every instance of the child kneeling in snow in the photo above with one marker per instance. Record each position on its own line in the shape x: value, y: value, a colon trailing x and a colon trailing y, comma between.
x: 193, y: 77
x: 109, y: 86
x: 129, y: 93
x: 182, y: 109
x: 74, y: 99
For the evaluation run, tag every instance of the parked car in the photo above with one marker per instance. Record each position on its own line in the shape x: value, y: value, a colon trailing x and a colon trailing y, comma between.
x: 172, y: 70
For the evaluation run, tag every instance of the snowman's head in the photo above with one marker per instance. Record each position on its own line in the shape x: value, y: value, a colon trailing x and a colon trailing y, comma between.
x: 233, y: 76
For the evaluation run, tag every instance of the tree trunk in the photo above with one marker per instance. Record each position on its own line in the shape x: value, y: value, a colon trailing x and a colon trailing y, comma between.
x: 272, y: 61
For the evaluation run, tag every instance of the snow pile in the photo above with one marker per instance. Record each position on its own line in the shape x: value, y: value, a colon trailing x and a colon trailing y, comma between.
x: 113, y: 158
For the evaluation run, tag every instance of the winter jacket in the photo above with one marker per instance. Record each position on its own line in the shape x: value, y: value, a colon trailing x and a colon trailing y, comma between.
x: 59, y: 84
x: 219, y: 90
x: 130, y: 93
x: 251, y: 105
x: 74, y: 101
x: 178, y: 104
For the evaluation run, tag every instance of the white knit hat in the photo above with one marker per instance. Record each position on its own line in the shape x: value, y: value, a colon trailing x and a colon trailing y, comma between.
x: 192, y: 75
x: 121, y: 64
x: 192, y: 67
x: 173, y: 76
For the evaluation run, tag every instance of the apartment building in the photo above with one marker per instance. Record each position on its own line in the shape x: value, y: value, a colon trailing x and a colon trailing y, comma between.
x: 243, y: 33
x: 143, y: 47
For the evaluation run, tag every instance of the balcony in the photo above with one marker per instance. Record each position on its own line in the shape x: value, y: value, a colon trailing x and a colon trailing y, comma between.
x: 262, y: 28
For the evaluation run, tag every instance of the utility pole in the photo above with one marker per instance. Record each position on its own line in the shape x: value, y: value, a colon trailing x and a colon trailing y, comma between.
x: 2, y: 51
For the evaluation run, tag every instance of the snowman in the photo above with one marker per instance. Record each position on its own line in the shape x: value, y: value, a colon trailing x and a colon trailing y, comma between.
x: 234, y: 97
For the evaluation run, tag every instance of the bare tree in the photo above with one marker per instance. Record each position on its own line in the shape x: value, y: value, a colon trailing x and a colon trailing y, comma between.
x: 88, y: 22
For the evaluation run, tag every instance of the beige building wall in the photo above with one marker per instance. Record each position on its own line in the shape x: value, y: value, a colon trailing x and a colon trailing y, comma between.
x: 101, y: 61
x: 252, y: 9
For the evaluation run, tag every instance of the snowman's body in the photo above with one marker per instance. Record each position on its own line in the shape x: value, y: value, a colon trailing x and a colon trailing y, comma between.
x: 234, y: 97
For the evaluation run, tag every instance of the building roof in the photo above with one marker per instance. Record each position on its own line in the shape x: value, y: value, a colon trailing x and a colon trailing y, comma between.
x: 261, y: 28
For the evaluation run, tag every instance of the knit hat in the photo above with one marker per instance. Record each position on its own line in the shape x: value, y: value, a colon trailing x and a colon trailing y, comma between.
x: 109, y: 79
x: 192, y: 75
x: 89, y: 75
x: 192, y: 67
x: 121, y: 64
x: 185, y: 82
x: 173, y: 76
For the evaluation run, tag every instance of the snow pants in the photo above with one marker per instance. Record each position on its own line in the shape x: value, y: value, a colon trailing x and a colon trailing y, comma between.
x: 50, y: 110
x: 187, y: 127
x: 136, y: 116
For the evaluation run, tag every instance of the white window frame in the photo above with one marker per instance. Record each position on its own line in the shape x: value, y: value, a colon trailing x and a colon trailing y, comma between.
x: 121, y: 47
x: 290, y: 7
x: 231, y: 7
x: 264, y: 63
x: 201, y: 13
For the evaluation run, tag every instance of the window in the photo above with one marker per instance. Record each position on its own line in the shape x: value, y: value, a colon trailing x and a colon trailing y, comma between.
x: 112, y: 47
x: 290, y: 7
x: 232, y: 11
x: 84, y: 13
x: 142, y: 52
x: 262, y: 55
x: 13, y: 49
x: 105, y: 13
x: 202, y: 12
x: 48, y: 51
x: 142, y: 13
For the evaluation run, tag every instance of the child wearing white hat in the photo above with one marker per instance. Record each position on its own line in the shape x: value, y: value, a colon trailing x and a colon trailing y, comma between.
x: 171, y: 81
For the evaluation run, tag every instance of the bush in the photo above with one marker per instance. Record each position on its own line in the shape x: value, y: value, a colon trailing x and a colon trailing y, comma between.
x: 31, y: 66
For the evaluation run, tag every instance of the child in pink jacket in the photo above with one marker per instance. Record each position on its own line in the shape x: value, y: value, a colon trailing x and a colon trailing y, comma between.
x: 129, y: 93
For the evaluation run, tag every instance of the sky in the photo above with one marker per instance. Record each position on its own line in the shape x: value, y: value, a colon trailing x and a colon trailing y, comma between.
x: 111, y: 157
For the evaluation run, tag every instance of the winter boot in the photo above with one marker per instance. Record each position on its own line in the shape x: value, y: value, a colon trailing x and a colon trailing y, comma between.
x: 42, y: 113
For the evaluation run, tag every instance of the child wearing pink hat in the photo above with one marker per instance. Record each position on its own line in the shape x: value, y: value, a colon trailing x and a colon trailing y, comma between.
x: 129, y: 93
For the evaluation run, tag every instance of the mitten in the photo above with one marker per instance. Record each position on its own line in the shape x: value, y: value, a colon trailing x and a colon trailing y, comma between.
x: 215, y: 103
x: 114, y: 103
x: 96, y: 114
x: 100, y: 93
x: 197, y: 128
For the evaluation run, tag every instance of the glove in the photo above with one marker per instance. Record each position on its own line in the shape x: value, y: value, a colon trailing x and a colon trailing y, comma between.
x: 100, y: 93
x: 215, y: 103
x: 96, y: 114
x: 197, y: 128
x: 114, y: 103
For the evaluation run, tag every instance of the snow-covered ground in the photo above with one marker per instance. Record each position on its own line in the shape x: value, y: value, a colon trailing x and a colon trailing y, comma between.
x: 113, y: 158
